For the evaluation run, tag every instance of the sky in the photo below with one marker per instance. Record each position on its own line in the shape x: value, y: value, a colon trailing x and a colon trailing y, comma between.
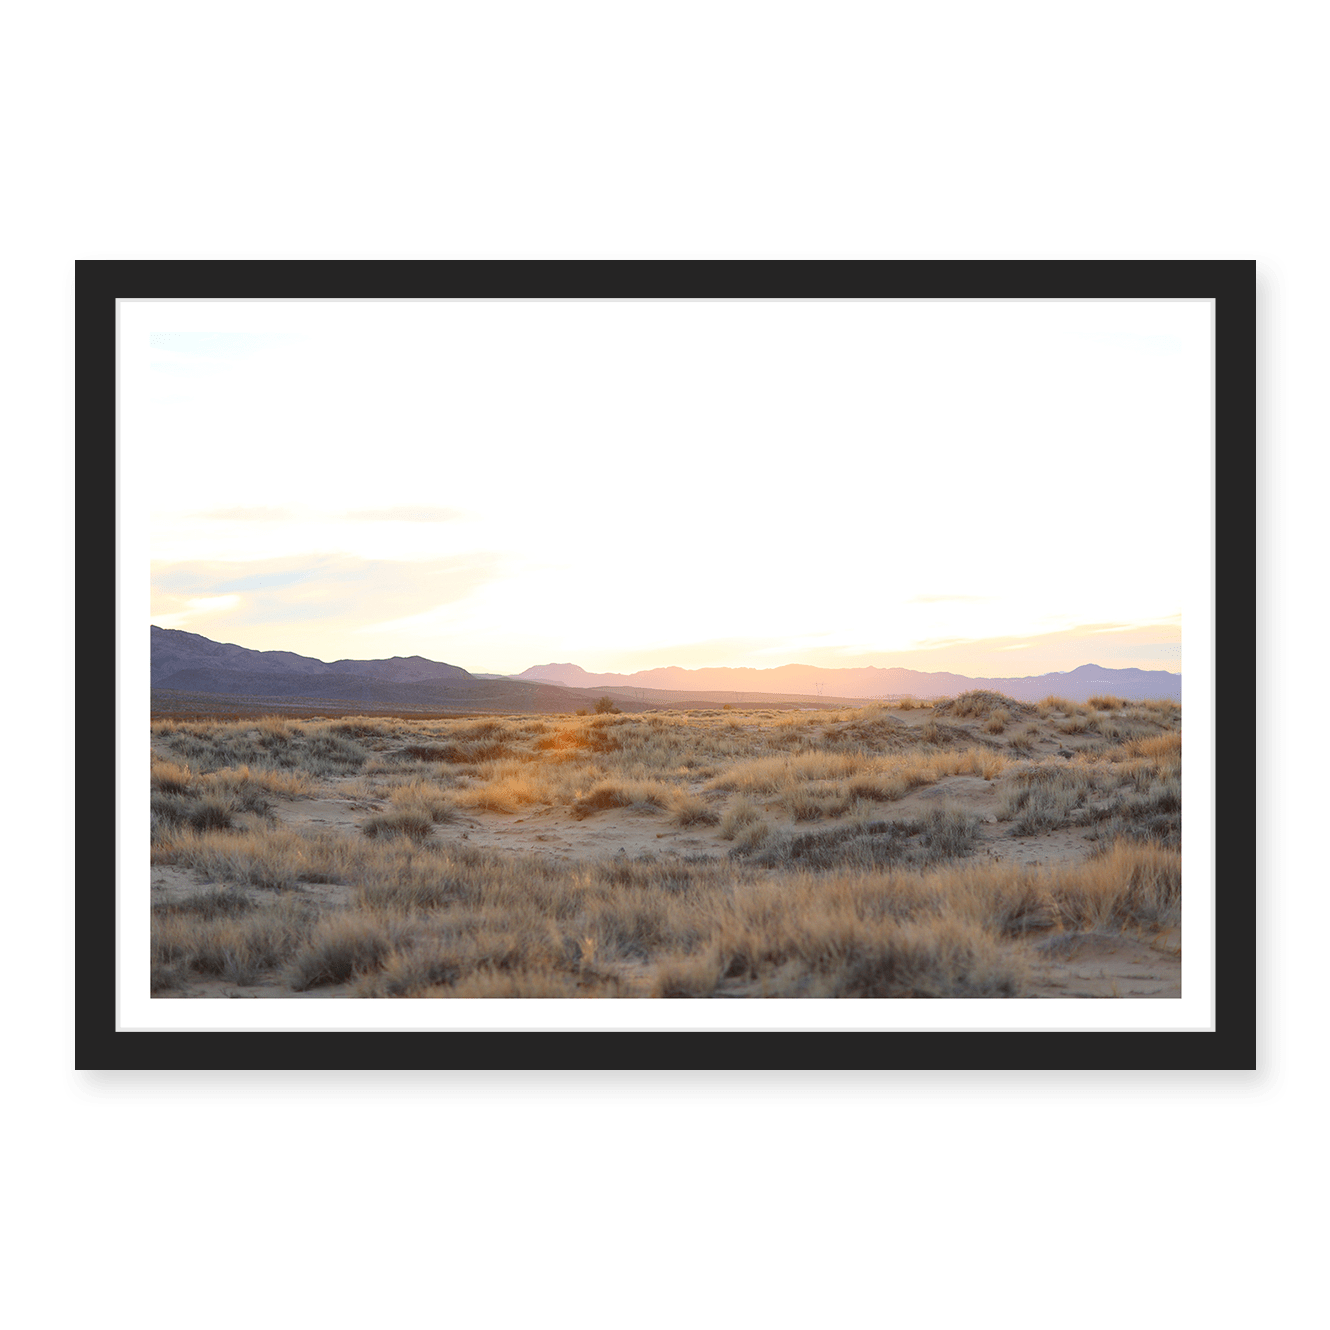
x: 988, y: 487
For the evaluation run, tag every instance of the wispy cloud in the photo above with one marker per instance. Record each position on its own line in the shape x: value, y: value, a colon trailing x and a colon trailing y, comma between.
x: 195, y: 607
x: 1154, y: 625
x: 311, y: 599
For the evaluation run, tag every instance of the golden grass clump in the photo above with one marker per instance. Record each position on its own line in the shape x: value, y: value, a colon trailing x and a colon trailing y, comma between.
x: 171, y: 777
x: 405, y: 820
x: 503, y: 794
x: 1164, y: 749
x: 1025, y: 741
x: 1055, y: 703
x: 243, y: 782
x: 771, y: 775
x: 689, y: 810
x: 741, y: 813
x: 642, y: 795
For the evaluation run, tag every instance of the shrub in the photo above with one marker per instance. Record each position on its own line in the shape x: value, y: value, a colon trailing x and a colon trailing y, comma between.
x: 642, y: 795
x: 341, y: 950
x: 171, y: 777
x: 1043, y: 798
x: 885, y: 788
x: 740, y: 814
x: 606, y: 707
x: 1053, y: 703
x: 942, y: 833
x: 212, y: 903
x: 690, y: 811
x: 211, y: 814
x: 430, y: 752
x: 415, y: 822
x: 423, y: 797
x: 751, y: 837
x: 948, y: 832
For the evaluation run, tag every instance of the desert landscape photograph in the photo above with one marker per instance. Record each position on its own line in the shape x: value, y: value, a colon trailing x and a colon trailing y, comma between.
x: 664, y: 649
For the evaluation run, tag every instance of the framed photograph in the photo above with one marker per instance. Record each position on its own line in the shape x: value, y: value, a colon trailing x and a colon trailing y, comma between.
x: 666, y: 664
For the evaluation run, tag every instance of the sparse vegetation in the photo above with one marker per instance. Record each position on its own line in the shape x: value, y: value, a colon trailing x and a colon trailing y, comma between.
x: 691, y: 811
x: 765, y: 853
x: 981, y: 704
x: 1025, y: 741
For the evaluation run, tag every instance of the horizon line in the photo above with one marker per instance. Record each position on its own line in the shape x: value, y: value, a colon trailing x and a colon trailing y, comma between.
x: 683, y: 669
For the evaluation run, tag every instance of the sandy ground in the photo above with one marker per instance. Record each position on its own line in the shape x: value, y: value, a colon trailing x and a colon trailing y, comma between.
x: 1064, y: 965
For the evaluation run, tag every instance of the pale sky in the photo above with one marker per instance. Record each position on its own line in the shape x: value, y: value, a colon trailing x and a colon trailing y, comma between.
x: 996, y: 488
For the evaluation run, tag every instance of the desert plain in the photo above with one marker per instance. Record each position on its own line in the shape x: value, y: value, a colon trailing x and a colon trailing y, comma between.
x: 973, y: 847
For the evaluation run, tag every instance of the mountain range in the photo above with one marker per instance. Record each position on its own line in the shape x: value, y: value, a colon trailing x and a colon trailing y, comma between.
x: 190, y: 663
x: 869, y: 681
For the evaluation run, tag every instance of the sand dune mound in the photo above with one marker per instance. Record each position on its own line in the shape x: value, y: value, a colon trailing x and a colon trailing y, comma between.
x: 982, y: 703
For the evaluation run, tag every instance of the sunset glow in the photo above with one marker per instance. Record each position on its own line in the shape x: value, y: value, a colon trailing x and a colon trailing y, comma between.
x: 994, y: 488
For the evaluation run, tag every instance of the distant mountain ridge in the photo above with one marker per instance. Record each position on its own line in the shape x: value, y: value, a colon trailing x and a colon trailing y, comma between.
x: 189, y: 662
x: 1083, y: 682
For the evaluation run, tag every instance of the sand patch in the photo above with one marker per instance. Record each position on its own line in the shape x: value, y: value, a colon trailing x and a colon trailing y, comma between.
x: 1107, y: 965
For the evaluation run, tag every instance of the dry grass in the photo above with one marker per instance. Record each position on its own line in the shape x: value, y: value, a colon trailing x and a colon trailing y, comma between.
x: 1025, y: 741
x: 495, y: 926
x: 815, y: 886
x: 981, y: 703
x: 222, y: 935
x: 740, y: 814
x: 771, y: 775
x: 1043, y: 799
x: 1054, y: 704
x: 645, y: 796
x: 689, y: 810
x: 270, y: 745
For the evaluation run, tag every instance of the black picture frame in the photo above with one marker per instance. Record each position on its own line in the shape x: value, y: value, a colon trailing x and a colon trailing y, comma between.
x: 1242, y: 1062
